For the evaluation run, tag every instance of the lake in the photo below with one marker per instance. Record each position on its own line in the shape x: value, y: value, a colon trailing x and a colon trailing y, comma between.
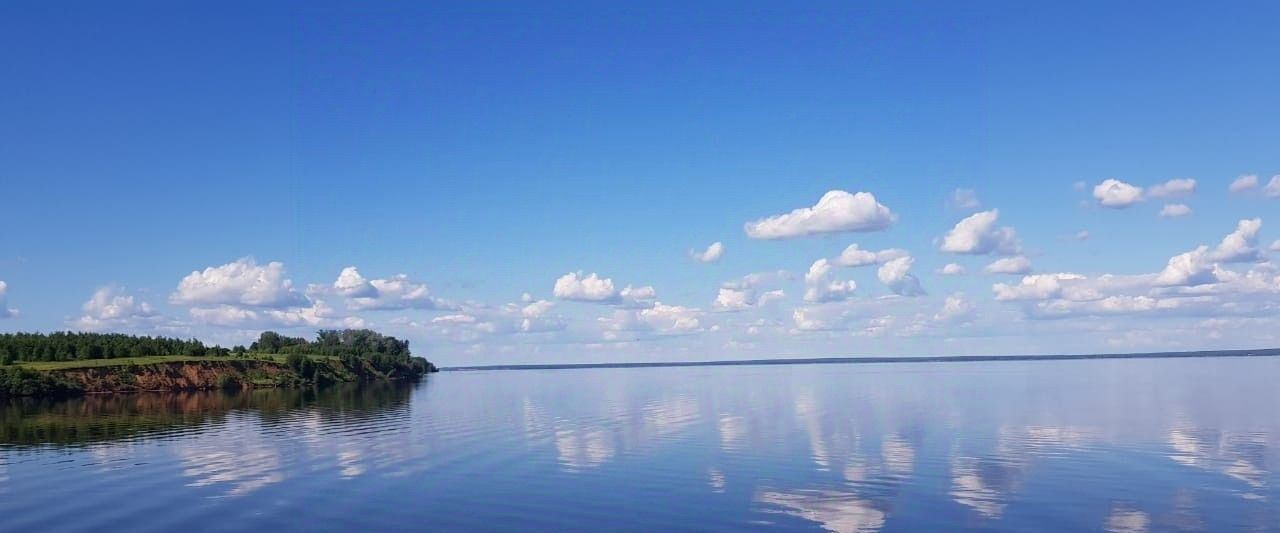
x: 1117, y: 445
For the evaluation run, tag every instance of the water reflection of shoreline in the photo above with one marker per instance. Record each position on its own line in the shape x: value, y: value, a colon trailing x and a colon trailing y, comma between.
x: 238, y: 442
x: 95, y: 419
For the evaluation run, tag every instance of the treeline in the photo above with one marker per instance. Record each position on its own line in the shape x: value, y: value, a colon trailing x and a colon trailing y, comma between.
x: 385, y: 353
x: 352, y: 346
x: 333, y: 342
x: 70, y: 346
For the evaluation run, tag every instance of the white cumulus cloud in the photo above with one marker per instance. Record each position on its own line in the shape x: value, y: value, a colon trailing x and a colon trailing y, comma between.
x: 589, y: 288
x: 109, y: 308
x: 821, y: 285
x: 733, y: 299
x: 1189, y: 268
x: 661, y: 319
x: 977, y: 234
x: 394, y: 293
x: 836, y: 211
x: 896, y: 275
x: 1116, y: 194
x: 1034, y: 287
x: 712, y: 254
x: 638, y: 296
x: 239, y: 283
x: 951, y: 269
x: 1241, y: 245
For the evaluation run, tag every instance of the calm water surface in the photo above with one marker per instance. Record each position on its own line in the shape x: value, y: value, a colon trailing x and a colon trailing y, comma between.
x: 1131, y: 445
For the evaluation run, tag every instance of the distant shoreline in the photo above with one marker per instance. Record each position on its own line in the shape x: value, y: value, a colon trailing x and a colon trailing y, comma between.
x: 1266, y: 352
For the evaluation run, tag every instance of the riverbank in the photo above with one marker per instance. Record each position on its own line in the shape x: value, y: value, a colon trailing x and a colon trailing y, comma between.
x: 188, y: 373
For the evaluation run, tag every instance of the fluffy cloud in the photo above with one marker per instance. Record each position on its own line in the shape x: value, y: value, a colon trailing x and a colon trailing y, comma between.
x: 394, y: 293
x: 1275, y: 247
x: 1241, y: 245
x: 1018, y: 264
x: 749, y: 292
x: 638, y: 296
x: 951, y: 269
x: 1081, y: 236
x: 240, y: 283
x: 1244, y: 183
x: 1189, y: 268
x: 836, y: 211
x: 591, y: 288
x: 5, y: 311
x: 1175, y: 210
x: 896, y: 275
x: 977, y: 234
x: 574, y: 286
x: 352, y: 285
x: 109, y: 308
x: 1035, y: 287
x: 821, y: 285
x: 1193, y: 283
x: 956, y: 309
x: 317, y: 315
x: 1116, y: 194
x: 1174, y: 188
x: 731, y: 299
x: 661, y: 319
x: 670, y: 318
x: 852, y: 256
x: 712, y: 254
x: 965, y: 199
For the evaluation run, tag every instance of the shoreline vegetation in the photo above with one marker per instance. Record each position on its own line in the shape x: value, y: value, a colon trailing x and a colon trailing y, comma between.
x: 68, y: 363
x: 1263, y: 352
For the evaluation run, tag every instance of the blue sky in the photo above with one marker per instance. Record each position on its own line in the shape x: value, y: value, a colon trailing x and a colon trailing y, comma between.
x: 484, y: 152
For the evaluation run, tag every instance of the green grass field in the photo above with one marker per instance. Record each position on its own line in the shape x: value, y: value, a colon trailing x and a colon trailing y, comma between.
x: 125, y: 361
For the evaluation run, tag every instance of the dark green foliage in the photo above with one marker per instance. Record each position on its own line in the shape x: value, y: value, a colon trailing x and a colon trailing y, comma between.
x: 228, y: 382
x: 272, y: 342
x: 353, y: 347
x: 69, y: 346
x: 335, y: 355
x: 18, y: 381
x: 294, y: 361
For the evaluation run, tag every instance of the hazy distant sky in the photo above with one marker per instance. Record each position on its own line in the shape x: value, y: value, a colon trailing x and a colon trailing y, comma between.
x: 544, y: 183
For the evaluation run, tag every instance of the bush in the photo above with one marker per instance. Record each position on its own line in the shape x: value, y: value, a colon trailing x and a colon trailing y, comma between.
x: 228, y: 382
x: 18, y: 381
x: 295, y: 361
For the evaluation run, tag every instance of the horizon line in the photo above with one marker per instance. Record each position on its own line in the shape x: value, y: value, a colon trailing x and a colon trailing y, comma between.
x: 1260, y: 352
